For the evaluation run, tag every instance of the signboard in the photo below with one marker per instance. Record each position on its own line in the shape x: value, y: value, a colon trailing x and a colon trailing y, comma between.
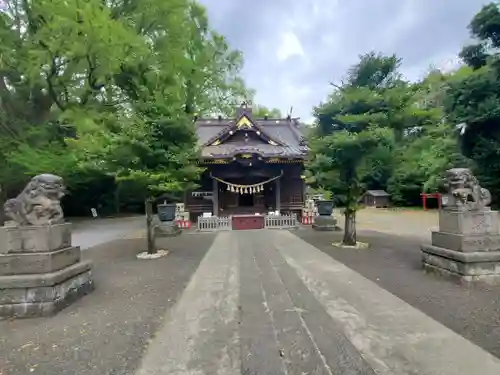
x: 202, y: 194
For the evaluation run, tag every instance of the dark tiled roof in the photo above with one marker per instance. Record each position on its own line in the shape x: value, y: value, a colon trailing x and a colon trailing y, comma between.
x: 266, y: 150
x: 284, y: 131
x: 207, y: 130
x: 378, y: 193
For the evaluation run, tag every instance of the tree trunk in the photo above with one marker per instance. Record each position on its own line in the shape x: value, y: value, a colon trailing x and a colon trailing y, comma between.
x: 117, y: 197
x: 2, y: 202
x: 349, y: 228
x: 149, y: 226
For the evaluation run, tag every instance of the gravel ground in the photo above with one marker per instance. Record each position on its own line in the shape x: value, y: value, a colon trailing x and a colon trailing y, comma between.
x: 412, y: 223
x: 106, y: 331
x: 394, y: 263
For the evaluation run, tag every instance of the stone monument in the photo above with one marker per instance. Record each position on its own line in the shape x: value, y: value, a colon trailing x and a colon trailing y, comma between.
x: 467, y: 245
x: 324, y: 220
x: 40, y: 271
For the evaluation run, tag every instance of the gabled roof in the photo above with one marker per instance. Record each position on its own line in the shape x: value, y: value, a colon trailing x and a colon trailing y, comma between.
x: 276, y: 137
x: 243, y: 123
x: 377, y: 193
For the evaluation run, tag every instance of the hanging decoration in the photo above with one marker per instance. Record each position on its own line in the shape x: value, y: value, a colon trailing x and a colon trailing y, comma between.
x: 246, y: 189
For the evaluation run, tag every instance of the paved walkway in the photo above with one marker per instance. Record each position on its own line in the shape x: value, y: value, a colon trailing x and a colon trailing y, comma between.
x: 266, y: 302
x: 107, y: 331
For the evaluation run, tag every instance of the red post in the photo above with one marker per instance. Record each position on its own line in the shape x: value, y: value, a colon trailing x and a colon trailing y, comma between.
x: 430, y: 195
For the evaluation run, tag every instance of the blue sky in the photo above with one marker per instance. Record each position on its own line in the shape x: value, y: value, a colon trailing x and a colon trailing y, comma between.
x: 294, y: 48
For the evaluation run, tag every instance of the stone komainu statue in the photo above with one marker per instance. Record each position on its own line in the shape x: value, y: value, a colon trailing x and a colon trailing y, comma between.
x: 463, y: 191
x: 39, y: 203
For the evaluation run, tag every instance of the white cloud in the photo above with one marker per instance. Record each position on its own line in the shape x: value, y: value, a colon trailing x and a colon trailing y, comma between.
x: 294, y: 48
x: 290, y: 46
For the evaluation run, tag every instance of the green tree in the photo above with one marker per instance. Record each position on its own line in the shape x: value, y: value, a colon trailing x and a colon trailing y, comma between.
x: 421, y: 162
x: 336, y: 160
x: 259, y: 111
x: 373, y: 97
x: 428, y: 148
x: 155, y: 148
x: 485, y: 28
x: 373, y: 94
x: 374, y: 71
x: 473, y: 100
x: 91, y: 73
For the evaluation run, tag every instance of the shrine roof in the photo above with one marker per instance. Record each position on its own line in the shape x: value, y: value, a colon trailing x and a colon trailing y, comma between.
x: 377, y: 193
x: 286, y: 138
x: 232, y: 149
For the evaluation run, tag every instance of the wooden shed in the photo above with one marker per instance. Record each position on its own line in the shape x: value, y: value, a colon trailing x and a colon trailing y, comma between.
x: 376, y: 198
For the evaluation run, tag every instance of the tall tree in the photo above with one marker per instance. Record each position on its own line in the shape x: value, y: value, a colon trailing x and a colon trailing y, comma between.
x: 260, y: 111
x: 76, y: 71
x: 336, y: 161
x: 473, y: 101
x: 374, y: 71
x: 373, y: 93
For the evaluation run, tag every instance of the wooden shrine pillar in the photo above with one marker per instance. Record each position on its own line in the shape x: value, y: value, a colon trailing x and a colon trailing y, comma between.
x: 278, y: 195
x: 215, y: 197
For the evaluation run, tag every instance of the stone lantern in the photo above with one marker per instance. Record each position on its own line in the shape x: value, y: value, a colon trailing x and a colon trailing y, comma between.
x: 325, y: 208
x: 324, y: 221
x: 166, y: 212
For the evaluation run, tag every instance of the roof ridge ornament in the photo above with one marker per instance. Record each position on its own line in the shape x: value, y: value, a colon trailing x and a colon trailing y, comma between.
x: 244, y: 123
x: 245, y: 103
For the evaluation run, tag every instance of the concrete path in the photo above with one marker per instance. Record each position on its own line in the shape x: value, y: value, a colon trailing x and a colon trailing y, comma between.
x: 89, y: 233
x: 266, y: 302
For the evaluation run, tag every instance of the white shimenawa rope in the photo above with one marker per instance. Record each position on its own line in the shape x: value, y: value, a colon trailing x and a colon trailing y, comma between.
x: 246, y: 189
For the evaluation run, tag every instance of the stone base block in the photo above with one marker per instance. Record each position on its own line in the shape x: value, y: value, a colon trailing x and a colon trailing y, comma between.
x: 41, y: 238
x: 33, y: 263
x: 468, y: 222
x: 24, y: 296
x: 463, y: 279
x: 166, y: 230
x: 325, y: 223
x: 466, y: 242
x: 477, y: 266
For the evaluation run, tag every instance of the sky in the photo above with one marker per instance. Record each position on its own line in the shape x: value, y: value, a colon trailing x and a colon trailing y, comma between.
x: 293, y: 49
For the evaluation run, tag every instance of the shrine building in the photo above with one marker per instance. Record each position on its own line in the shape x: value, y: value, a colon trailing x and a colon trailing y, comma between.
x: 253, y: 165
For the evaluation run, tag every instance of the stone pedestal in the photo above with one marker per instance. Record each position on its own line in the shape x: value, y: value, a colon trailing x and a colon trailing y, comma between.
x: 325, y: 223
x: 166, y: 229
x: 467, y: 246
x: 40, y: 272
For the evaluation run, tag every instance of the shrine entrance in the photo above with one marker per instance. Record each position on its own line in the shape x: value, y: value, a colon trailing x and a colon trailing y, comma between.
x: 246, y: 200
x: 247, y: 195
